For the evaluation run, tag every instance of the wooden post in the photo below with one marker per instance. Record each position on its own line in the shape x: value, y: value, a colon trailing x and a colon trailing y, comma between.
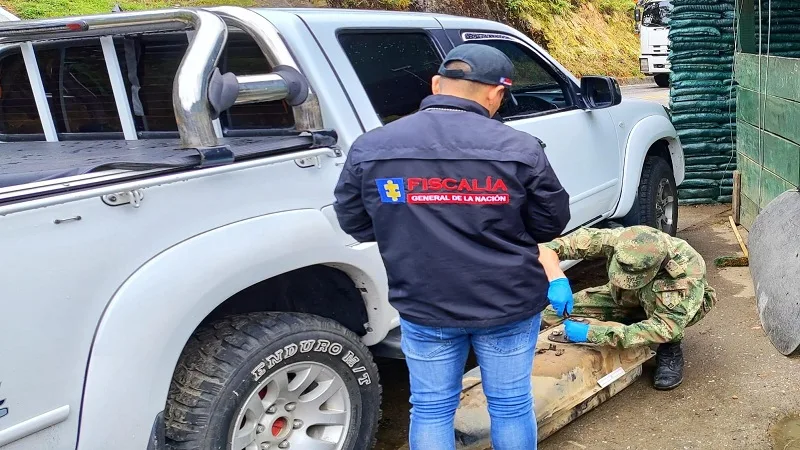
x: 737, y: 192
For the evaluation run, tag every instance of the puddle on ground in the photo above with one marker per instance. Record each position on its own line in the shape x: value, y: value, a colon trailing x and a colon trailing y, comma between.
x: 786, y: 433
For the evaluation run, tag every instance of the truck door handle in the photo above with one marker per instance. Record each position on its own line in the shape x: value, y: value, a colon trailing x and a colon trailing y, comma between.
x: 133, y: 197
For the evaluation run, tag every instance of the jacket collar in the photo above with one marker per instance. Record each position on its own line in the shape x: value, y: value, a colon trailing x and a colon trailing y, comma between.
x: 450, y: 102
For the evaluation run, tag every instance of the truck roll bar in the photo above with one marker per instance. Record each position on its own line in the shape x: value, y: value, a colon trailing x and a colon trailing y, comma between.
x: 190, y: 93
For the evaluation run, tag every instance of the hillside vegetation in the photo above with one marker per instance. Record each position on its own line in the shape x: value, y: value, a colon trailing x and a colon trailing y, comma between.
x: 590, y: 37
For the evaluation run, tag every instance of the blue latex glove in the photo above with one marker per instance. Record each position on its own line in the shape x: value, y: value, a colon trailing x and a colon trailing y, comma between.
x: 576, y: 331
x: 560, y: 295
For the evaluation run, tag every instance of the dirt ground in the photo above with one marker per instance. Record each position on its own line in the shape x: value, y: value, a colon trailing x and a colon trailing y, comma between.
x: 738, y: 391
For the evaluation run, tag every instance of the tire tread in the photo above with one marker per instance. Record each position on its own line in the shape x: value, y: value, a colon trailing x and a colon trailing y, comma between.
x: 214, y: 353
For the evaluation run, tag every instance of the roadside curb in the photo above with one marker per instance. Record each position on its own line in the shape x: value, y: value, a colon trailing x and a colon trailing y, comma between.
x: 635, y: 81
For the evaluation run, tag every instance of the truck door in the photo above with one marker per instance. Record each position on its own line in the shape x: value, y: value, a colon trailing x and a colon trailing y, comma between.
x: 386, y: 64
x: 581, y: 145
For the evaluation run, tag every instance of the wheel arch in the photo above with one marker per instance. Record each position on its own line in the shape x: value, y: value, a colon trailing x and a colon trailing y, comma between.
x: 152, y: 315
x: 652, y: 136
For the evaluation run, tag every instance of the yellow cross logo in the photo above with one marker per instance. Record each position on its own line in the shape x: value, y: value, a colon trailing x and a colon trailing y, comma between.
x: 392, y: 190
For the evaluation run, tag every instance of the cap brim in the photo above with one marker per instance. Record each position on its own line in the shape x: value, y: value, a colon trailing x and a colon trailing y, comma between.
x: 627, y: 280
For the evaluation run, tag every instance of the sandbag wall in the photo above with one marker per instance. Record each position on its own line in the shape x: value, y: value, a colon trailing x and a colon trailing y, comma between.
x: 703, y: 98
x: 781, y: 36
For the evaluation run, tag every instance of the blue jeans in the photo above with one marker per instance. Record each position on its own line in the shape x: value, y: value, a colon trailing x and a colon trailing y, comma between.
x: 436, y: 357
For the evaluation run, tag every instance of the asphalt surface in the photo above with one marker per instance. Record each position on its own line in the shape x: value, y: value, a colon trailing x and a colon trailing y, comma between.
x: 738, y: 391
x: 647, y: 92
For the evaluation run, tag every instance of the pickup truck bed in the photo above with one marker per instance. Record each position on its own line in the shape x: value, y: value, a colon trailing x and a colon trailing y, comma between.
x: 30, y: 162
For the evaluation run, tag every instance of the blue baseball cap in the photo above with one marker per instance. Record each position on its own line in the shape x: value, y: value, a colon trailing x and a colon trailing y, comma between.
x: 488, y: 65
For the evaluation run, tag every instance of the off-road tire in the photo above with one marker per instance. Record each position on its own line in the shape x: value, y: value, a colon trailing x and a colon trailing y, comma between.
x: 220, y: 367
x: 662, y: 80
x: 644, y: 212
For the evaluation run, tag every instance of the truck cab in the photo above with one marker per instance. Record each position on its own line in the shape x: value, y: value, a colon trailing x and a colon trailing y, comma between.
x: 652, y: 17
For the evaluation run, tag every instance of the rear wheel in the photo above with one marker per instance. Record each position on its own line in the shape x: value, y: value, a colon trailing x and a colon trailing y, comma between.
x: 269, y: 381
x: 656, y: 203
x: 662, y: 79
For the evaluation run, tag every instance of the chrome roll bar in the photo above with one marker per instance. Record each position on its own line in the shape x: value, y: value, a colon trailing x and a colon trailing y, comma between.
x: 191, y: 84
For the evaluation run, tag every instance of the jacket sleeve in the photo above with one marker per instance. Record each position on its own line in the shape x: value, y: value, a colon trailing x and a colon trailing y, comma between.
x: 672, y: 313
x: 585, y: 243
x: 548, y: 202
x: 349, y: 205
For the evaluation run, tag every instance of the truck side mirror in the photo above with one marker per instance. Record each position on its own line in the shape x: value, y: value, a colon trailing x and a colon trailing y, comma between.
x: 600, y: 92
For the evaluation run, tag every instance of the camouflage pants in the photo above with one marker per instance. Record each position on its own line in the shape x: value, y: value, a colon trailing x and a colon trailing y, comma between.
x: 597, y: 303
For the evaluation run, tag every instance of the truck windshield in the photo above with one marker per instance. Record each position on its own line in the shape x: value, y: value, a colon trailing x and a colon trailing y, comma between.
x: 656, y: 14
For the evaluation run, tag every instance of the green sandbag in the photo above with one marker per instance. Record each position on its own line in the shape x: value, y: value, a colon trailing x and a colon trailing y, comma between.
x: 693, y: 53
x: 707, y: 193
x: 693, y: 31
x: 683, y: 67
x: 700, y: 183
x: 711, y: 148
x: 698, y: 97
x: 704, y: 133
x: 697, y: 76
x: 702, y: 8
x: 691, y: 3
x: 702, y: 60
x: 704, y: 45
x: 695, y: 15
x: 674, y: 24
x: 691, y: 90
x: 697, y: 201
x: 713, y: 176
x: 725, y: 198
x: 685, y: 107
x: 720, y: 83
x: 709, y: 159
x: 777, y: 46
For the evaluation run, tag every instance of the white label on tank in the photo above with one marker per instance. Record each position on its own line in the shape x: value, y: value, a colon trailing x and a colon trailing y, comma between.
x: 612, y: 377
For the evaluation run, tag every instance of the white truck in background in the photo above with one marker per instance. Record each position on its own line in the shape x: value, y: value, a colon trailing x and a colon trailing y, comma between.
x: 652, y: 18
x: 174, y: 276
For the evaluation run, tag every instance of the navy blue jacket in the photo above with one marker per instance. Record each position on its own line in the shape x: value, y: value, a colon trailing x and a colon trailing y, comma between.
x: 457, y: 203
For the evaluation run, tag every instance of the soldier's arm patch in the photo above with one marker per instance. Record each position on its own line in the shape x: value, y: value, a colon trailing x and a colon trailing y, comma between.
x: 671, y: 292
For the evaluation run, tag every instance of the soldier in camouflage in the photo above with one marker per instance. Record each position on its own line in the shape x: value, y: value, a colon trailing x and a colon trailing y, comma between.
x: 657, y: 287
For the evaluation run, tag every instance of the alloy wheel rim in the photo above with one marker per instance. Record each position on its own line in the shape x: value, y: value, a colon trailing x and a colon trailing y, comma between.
x: 302, y: 406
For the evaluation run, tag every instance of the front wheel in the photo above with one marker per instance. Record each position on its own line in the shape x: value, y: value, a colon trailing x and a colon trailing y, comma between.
x: 656, y: 203
x: 662, y: 80
x: 269, y: 381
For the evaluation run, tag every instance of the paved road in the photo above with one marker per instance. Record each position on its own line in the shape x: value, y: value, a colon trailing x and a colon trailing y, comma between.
x: 647, y: 92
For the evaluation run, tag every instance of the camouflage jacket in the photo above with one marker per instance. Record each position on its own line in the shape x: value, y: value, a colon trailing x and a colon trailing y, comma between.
x: 677, y: 297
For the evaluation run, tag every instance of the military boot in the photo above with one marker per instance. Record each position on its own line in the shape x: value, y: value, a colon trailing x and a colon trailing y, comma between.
x: 669, y: 369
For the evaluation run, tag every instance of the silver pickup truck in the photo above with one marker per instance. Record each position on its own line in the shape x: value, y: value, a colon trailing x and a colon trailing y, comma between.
x: 173, y: 275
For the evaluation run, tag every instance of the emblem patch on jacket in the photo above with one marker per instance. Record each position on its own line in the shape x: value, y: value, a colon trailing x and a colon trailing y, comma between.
x: 392, y: 190
x: 461, y: 191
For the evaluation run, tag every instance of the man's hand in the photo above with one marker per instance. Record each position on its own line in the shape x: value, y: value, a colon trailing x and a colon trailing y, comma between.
x: 576, y: 331
x: 560, y: 295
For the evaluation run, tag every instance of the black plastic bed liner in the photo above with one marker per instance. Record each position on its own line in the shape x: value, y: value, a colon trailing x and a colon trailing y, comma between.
x: 31, y: 162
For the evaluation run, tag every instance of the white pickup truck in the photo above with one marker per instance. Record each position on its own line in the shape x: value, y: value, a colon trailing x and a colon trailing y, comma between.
x: 173, y: 275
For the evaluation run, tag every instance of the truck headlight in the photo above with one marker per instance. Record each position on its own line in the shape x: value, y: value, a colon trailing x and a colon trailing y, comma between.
x: 643, y: 65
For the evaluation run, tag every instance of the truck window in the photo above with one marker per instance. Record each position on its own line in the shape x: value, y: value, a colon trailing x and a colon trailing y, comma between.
x: 394, y: 68
x: 18, y: 115
x: 157, y: 58
x: 535, y: 88
x: 81, y: 99
x: 77, y: 86
x: 656, y: 14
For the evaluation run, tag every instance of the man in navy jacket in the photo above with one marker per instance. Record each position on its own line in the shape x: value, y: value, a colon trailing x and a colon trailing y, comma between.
x: 457, y: 203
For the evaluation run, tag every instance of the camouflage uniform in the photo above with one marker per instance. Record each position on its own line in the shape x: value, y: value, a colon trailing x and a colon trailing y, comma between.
x: 657, y: 285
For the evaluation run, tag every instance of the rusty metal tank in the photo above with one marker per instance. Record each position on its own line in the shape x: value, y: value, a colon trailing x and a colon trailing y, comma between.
x: 568, y: 380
